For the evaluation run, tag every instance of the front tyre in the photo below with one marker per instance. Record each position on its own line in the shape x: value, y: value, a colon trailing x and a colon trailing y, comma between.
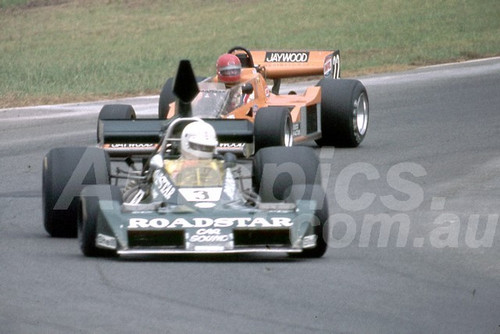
x: 88, y: 213
x: 65, y: 173
x: 290, y: 174
x: 344, y: 112
x: 273, y: 127
x: 276, y: 169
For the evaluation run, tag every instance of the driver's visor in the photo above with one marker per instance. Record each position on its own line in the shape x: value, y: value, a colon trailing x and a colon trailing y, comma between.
x: 230, y: 72
x: 201, y: 147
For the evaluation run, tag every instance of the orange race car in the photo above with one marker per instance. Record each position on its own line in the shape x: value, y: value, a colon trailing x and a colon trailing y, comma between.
x: 334, y: 112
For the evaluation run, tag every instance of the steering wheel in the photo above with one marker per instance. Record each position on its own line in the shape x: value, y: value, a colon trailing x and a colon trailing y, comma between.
x: 249, y: 55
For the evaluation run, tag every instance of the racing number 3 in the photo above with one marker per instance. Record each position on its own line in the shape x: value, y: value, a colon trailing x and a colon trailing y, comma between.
x: 200, y: 195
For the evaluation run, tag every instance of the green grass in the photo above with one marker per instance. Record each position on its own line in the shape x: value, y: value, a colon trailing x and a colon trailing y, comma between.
x: 73, y: 50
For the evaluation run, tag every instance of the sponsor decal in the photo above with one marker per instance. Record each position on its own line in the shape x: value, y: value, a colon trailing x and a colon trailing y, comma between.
x: 327, y: 66
x: 163, y: 183
x: 210, y: 235
x: 236, y: 222
x: 105, y: 241
x: 331, y: 67
x: 309, y: 241
x: 132, y: 146
x: 232, y: 145
x: 287, y: 57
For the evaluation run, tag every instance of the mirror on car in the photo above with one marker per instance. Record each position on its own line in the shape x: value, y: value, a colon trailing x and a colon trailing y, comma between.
x: 156, y: 162
x: 247, y: 88
x: 229, y: 160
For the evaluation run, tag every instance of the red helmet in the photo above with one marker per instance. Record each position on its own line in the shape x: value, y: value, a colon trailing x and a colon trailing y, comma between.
x: 228, y: 69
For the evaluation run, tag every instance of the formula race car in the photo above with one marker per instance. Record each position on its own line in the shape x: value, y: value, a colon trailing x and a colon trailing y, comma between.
x: 170, y: 203
x: 334, y: 112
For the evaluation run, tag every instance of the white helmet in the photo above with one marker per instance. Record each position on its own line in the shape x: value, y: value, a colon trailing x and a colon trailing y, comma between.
x: 198, y: 141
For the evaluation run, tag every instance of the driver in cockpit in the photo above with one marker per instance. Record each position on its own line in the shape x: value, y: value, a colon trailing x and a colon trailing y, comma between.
x: 229, y: 72
x: 197, y: 167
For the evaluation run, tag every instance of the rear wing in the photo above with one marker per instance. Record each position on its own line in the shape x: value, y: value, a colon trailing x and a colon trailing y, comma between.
x: 289, y: 64
x: 140, y: 137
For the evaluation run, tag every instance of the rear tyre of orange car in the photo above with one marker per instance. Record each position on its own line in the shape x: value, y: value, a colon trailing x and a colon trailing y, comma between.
x: 344, y: 112
x: 88, y: 214
x: 114, y: 112
x: 273, y: 127
x: 65, y: 172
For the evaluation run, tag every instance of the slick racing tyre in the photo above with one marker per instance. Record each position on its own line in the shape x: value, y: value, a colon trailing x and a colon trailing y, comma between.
x: 291, y: 174
x: 114, y: 112
x: 88, y: 215
x: 276, y: 169
x: 65, y: 173
x: 344, y: 112
x: 273, y: 127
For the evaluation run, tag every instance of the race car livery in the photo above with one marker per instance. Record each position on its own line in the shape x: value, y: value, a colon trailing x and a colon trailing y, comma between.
x: 334, y: 112
x: 146, y: 199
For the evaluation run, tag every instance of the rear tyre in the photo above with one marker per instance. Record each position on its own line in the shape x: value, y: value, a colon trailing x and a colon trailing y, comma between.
x: 114, y: 112
x: 273, y: 127
x: 344, y: 112
x: 65, y: 172
x: 88, y: 214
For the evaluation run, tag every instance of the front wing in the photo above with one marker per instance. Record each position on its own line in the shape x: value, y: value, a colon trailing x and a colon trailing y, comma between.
x: 182, y: 230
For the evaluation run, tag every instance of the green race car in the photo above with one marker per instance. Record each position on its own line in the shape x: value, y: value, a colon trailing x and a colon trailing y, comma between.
x: 158, y: 205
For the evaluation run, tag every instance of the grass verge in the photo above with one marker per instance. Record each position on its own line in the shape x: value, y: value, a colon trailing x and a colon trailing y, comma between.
x: 56, y: 51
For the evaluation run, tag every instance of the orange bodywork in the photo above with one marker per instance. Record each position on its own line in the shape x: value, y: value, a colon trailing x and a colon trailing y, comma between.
x: 276, y: 65
x: 290, y: 64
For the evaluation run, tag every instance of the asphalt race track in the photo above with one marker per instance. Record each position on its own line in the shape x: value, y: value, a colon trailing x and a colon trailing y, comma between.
x: 415, y: 230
